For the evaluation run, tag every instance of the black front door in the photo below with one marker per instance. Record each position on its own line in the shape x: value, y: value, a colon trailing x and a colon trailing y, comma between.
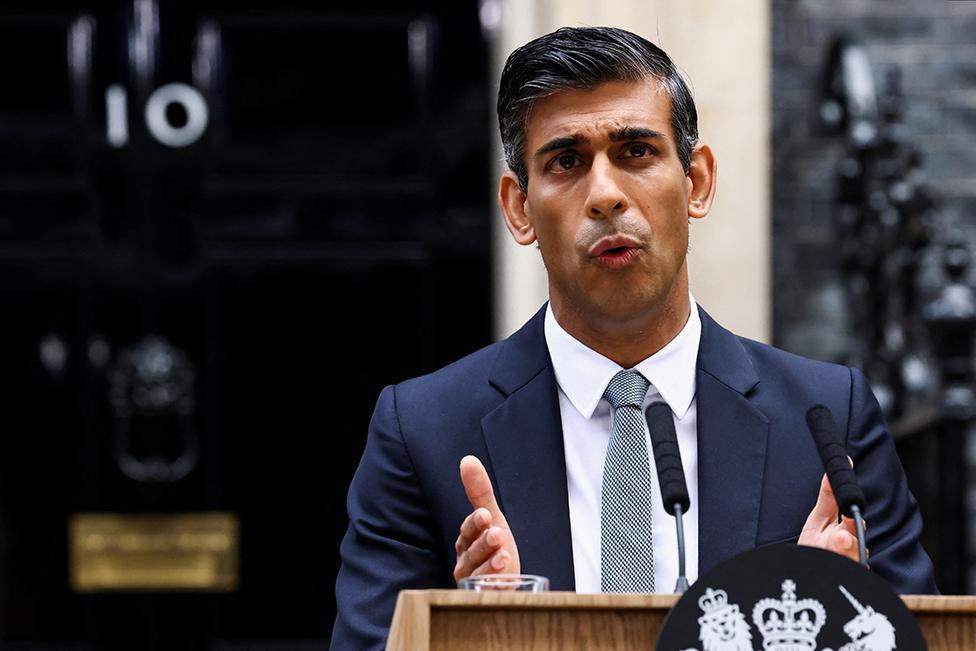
x: 224, y: 227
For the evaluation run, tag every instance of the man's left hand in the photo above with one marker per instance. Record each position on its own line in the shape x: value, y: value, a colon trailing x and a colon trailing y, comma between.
x: 823, y: 530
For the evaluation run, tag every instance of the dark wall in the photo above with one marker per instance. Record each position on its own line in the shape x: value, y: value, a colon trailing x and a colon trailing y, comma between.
x: 326, y: 235
x: 935, y: 47
x: 874, y: 320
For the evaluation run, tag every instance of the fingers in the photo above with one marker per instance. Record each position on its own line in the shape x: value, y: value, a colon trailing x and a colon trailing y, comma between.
x: 483, y: 550
x: 486, y: 554
x: 478, y: 488
x: 472, y: 527
x: 498, y: 564
x: 825, y: 511
x: 839, y: 538
x: 843, y: 542
x: 847, y: 524
x: 485, y: 543
x: 825, y: 528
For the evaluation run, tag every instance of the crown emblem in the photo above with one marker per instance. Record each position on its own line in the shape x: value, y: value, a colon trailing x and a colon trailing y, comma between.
x: 713, y: 601
x: 787, y: 624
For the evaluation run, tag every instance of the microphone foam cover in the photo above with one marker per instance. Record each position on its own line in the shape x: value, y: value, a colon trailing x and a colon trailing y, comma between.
x: 667, y: 457
x: 842, y: 479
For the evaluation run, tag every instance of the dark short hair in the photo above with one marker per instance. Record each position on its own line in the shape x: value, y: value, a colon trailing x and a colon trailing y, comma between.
x: 583, y: 58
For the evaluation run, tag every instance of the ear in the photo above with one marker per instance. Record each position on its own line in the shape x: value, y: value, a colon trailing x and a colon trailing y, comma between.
x: 702, y: 177
x: 512, y: 200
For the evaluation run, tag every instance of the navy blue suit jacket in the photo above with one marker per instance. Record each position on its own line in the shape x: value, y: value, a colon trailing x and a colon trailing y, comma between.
x: 758, y: 470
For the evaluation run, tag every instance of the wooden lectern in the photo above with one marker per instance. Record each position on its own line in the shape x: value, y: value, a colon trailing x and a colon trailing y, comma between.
x: 454, y: 620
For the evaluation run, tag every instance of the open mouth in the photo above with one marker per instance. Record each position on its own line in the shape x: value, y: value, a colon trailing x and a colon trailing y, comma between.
x: 618, y: 256
x: 615, y: 251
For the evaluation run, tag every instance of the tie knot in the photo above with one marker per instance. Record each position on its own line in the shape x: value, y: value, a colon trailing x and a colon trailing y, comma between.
x: 627, y: 388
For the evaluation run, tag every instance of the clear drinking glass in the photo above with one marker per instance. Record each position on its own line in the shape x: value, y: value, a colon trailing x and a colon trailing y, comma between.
x: 510, y: 582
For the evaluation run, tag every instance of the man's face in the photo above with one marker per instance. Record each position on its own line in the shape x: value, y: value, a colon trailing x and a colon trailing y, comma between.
x: 608, y: 201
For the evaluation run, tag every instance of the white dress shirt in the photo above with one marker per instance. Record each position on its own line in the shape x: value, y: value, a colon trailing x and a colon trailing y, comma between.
x: 582, y: 376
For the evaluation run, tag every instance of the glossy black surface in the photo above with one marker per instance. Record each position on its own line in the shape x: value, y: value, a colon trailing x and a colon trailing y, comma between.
x: 327, y: 234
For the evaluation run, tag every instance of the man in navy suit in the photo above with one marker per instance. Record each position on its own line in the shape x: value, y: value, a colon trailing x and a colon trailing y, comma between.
x: 606, y: 171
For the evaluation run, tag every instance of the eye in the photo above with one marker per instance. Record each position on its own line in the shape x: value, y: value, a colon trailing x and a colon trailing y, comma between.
x: 638, y: 150
x: 566, y: 161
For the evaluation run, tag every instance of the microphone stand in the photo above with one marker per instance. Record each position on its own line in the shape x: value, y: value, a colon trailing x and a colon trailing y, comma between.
x: 670, y: 475
x: 682, y: 585
x: 862, y: 550
x: 840, y: 474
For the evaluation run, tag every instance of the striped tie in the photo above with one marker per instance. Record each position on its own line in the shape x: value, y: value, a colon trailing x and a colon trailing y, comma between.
x: 626, y: 556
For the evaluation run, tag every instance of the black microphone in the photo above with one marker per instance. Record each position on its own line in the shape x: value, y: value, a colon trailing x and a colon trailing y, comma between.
x: 843, y: 481
x: 671, y: 476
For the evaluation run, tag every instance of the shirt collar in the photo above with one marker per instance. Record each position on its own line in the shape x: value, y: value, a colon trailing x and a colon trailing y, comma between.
x: 583, y: 373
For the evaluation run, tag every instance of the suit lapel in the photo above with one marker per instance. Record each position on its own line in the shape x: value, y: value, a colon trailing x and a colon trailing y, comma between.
x: 524, y: 439
x: 732, y: 436
x: 525, y: 444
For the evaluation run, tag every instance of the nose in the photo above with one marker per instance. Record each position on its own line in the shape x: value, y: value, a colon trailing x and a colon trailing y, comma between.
x: 606, y: 198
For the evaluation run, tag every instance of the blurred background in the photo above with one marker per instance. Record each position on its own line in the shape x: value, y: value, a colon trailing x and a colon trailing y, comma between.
x: 225, y: 226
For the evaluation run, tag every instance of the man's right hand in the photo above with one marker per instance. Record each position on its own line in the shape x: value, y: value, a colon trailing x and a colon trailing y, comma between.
x: 485, y: 544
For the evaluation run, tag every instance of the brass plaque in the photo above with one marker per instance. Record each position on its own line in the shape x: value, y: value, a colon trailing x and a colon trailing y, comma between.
x: 183, y: 551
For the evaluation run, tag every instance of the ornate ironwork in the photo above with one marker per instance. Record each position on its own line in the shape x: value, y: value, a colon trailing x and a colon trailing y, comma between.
x: 151, y: 394
x: 913, y: 320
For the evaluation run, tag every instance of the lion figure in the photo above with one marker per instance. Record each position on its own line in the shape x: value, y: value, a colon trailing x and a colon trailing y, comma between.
x: 725, y: 629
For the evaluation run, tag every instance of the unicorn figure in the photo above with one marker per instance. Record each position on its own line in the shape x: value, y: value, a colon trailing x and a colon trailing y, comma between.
x: 869, y: 630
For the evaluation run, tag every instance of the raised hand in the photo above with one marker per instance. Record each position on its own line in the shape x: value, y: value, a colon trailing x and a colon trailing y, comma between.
x: 485, y: 544
x: 823, y: 530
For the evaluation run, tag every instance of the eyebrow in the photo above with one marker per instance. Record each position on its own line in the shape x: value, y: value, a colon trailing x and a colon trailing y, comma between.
x: 624, y: 133
x: 635, y: 133
x: 563, y: 142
